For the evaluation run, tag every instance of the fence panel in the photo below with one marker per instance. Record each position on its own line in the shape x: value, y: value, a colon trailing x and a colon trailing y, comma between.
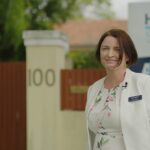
x: 74, y: 85
x: 12, y: 106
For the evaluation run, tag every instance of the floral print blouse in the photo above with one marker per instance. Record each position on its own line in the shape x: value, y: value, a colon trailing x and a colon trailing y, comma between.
x: 104, y: 120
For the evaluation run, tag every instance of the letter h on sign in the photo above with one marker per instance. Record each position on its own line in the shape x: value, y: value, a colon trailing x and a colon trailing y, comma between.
x: 147, y: 18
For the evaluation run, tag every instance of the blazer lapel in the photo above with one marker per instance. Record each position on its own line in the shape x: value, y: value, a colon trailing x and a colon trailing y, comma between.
x: 93, y: 91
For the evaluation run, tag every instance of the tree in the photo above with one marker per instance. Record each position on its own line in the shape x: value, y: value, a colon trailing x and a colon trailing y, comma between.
x: 43, y: 13
x: 98, y: 9
x: 34, y: 15
x: 12, y: 24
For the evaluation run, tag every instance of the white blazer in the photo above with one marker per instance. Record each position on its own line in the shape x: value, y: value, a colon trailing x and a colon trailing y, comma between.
x: 134, y: 111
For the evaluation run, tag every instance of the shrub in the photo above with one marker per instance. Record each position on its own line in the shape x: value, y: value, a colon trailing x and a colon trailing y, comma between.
x: 83, y: 59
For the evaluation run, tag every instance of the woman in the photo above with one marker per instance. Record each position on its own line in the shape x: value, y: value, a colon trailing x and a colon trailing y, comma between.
x: 118, y: 105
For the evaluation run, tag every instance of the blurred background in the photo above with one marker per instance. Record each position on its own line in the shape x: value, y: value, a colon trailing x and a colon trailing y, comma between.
x: 45, y: 14
x: 47, y: 62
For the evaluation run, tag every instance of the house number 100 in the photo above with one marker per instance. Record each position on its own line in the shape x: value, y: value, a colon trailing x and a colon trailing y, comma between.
x: 37, y: 77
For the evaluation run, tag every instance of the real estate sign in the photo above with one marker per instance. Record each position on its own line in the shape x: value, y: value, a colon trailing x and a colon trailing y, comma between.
x: 139, y: 30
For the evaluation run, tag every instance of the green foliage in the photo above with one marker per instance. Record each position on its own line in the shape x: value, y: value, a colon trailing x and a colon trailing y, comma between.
x: 101, y: 8
x: 19, y: 15
x: 12, y: 24
x: 82, y: 59
x: 15, y: 21
x: 43, y: 14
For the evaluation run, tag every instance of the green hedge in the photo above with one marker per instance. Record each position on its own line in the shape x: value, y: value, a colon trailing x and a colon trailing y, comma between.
x: 83, y: 59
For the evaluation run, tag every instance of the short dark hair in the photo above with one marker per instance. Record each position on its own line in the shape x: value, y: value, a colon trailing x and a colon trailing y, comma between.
x: 125, y: 43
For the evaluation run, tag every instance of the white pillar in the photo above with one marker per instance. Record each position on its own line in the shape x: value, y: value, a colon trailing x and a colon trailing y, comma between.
x: 45, y: 57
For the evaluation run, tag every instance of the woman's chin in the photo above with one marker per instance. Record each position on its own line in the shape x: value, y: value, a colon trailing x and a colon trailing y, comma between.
x: 111, y: 67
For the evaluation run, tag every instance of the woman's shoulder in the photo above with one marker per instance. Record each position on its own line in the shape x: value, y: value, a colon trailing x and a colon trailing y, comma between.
x: 140, y: 75
x: 139, y: 78
x: 93, y: 88
x: 97, y: 84
x: 137, y: 74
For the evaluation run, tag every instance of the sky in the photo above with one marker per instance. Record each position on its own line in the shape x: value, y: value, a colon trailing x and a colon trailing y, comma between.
x: 120, y: 7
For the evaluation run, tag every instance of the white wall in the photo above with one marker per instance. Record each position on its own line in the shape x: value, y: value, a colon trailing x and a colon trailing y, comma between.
x: 49, y: 128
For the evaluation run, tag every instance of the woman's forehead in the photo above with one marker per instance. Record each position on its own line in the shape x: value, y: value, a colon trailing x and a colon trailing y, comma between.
x: 110, y: 40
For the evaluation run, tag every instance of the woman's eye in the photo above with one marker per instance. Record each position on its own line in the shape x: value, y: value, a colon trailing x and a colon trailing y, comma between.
x: 105, y: 48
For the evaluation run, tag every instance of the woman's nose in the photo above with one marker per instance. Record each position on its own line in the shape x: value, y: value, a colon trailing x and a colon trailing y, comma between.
x: 111, y: 53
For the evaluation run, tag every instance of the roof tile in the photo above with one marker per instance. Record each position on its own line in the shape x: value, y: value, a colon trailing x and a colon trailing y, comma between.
x: 88, y: 32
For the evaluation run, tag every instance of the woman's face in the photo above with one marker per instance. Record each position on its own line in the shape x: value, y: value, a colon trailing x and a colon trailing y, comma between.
x: 109, y: 54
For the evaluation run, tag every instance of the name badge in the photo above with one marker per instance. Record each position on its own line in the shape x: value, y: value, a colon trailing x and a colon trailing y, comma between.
x: 135, y: 98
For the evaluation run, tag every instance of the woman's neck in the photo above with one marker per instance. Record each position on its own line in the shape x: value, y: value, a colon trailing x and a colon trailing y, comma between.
x: 114, y: 78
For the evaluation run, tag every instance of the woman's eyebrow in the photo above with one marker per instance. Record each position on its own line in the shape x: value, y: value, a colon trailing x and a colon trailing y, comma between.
x: 117, y: 47
x: 104, y: 46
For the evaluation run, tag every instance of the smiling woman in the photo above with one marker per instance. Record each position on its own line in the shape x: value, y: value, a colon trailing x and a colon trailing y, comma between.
x: 115, y: 51
x: 122, y: 96
x: 109, y: 53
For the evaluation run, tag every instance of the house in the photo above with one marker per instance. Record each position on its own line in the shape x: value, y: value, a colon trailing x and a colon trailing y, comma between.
x: 84, y: 34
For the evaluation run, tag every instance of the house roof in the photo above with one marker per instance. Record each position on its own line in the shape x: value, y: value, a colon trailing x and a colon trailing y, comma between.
x: 88, y: 32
